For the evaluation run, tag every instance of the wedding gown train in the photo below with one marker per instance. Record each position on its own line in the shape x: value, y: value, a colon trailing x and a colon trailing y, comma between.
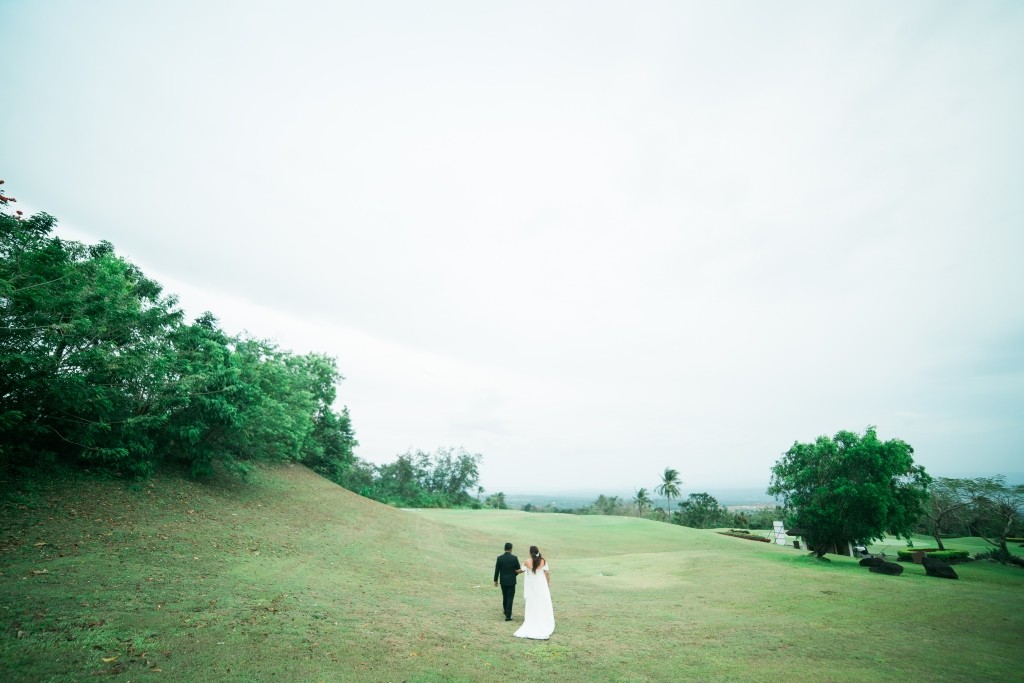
x: 539, y: 622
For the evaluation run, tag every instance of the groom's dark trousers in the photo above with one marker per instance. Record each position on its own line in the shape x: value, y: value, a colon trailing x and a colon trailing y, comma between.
x: 505, y: 574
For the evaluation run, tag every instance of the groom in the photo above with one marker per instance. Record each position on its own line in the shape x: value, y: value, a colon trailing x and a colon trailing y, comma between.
x: 506, y: 568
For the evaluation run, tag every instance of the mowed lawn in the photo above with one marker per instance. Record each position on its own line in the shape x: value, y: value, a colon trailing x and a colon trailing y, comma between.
x: 291, y: 578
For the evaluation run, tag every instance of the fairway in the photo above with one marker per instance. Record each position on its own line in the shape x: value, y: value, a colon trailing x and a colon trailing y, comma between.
x: 291, y: 578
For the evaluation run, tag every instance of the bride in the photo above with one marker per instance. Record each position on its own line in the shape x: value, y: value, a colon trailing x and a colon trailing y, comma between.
x: 539, y: 622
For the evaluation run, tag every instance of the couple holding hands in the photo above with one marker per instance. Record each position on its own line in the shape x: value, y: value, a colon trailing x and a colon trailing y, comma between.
x: 539, y: 619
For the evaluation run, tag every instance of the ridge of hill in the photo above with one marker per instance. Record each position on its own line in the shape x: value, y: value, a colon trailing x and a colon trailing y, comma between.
x: 174, y: 576
x: 291, y: 578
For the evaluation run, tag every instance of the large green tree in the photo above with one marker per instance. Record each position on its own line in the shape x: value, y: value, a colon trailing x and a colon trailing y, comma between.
x: 445, y: 478
x: 850, y: 488
x: 82, y: 335
x: 240, y: 400
x: 702, y: 511
x: 454, y: 475
x: 97, y: 366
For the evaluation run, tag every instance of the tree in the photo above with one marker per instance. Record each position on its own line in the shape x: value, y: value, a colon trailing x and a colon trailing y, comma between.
x: 329, y: 450
x: 701, y: 511
x: 455, y: 473
x: 98, y: 367
x: 401, y: 482
x: 606, y: 505
x: 947, y: 500
x: 83, y: 338
x: 497, y: 501
x: 850, y: 488
x: 641, y: 500
x: 445, y: 478
x: 669, y: 486
x: 1000, y: 506
x: 233, y: 400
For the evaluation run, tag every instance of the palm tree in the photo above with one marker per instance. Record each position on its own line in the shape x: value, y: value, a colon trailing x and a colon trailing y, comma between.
x: 669, y: 487
x: 641, y: 500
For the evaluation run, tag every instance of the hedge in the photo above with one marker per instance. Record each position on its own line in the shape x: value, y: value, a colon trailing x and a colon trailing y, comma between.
x: 950, y: 556
x: 749, y: 537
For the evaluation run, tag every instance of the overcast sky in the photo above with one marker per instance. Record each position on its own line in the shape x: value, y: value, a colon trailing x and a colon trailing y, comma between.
x: 587, y: 240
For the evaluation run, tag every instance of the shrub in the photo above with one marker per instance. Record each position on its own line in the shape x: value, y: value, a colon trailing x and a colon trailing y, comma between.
x: 948, y: 555
x: 1000, y: 555
x: 951, y: 556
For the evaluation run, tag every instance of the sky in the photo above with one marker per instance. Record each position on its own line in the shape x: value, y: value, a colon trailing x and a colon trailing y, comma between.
x: 587, y: 240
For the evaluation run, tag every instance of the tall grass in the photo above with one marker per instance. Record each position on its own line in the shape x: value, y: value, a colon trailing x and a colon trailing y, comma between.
x: 291, y: 578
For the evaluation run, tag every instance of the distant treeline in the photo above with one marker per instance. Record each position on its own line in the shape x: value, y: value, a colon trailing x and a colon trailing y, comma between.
x: 698, y: 510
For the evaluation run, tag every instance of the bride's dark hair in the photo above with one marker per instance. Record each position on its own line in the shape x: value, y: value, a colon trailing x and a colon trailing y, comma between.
x: 537, y: 559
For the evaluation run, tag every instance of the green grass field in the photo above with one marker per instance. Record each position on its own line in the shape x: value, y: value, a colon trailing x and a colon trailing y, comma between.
x: 290, y: 578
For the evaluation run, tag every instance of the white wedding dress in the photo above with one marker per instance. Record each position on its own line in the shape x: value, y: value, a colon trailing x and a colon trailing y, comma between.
x: 539, y: 622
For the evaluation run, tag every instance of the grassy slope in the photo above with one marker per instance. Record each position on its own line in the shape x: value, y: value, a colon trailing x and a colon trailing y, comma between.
x: 291, y: 578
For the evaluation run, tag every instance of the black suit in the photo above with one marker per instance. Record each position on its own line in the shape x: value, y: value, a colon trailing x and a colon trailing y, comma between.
x: 505, y: 569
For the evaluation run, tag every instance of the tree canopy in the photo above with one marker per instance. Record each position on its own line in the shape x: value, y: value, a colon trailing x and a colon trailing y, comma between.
x: 99, y: 367
x: 702, y: 511
x: 850, y: 488
x: 444, y: 478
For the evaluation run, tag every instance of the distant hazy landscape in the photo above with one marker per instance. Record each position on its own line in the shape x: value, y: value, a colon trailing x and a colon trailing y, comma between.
x: 580, y: 498
x: 728, y: 497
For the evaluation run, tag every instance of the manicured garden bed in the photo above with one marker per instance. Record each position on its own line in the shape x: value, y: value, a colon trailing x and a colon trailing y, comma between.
x: 948, y: 555
x: 742, y: 533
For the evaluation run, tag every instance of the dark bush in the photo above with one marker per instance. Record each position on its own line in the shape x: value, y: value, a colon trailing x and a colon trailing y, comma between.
x: 1000, y: 555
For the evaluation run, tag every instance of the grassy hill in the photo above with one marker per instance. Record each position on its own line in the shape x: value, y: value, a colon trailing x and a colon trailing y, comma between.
x: 290, y: 578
